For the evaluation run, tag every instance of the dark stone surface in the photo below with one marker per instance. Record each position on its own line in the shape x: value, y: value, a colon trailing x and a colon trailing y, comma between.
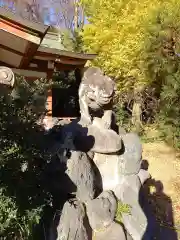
x: 81, y: 173
x: 74, y: 223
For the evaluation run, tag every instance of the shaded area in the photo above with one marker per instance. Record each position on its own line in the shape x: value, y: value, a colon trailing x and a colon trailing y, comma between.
x: 157, y: 207
x: 31, y: 180
x: 23, y: 194
x: 34, y: 178
x: 65, y: 100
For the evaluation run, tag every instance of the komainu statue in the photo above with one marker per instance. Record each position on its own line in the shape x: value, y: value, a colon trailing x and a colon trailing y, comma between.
x: 95, y: 93
x: 105, y: 173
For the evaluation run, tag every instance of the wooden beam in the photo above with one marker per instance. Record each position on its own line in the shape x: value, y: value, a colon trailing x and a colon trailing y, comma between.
x: 5, y: 64
x: 19, y: 22
x: 65, y: 61
x: 14, y: 25
x: 44, y: 68
x: 37, y: 69
x: 57, y: 52
x: 11, y: 50
x: 19, y: 33
x: 30, y: 74
x: 60, y: 66
x: 62, y: 60
x: 39, y: 64
x: 28, y: 55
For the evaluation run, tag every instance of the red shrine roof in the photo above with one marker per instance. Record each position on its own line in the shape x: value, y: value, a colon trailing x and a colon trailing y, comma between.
x: 32, y: 46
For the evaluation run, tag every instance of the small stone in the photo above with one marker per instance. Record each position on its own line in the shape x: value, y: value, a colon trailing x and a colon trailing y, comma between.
x: 106, y: 140
x: 6, y: 76
x: 113, y: 232
x: 131, y: 158
x: 101, y: 211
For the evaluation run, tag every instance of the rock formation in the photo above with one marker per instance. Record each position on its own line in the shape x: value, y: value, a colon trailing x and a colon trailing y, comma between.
x: 104, y: 166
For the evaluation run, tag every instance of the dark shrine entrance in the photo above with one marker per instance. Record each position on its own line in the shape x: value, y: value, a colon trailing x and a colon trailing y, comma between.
x: 65, y: 101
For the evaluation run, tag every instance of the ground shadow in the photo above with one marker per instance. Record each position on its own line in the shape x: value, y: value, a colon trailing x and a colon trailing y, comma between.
x: 157, y: 207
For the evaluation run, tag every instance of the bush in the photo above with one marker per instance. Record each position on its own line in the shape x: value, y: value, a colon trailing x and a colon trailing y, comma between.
x: 13, y: 224
x: 22, y: 159
x: 168, y: 117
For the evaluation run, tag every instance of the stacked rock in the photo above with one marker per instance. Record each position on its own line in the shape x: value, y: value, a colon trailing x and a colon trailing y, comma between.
x: 105, y: 167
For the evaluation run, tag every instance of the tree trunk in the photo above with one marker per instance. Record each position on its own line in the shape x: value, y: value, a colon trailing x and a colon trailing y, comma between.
x: 137, y: 114
x: 75, y: 15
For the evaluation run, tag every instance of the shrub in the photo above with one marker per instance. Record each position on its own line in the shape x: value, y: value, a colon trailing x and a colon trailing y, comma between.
x: 22, y: 159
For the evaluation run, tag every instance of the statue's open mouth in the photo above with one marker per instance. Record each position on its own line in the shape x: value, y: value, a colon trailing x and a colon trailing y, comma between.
x: 103, y: 100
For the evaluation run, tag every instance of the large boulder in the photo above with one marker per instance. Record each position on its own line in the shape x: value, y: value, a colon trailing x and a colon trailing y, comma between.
x: 135, y: 221
x: 81, y: 172
x: 97, y: 137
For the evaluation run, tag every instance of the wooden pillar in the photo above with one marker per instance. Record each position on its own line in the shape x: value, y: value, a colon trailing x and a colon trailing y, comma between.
x: 49, y: 97
x: 48, y: 121
x: 49, y: 103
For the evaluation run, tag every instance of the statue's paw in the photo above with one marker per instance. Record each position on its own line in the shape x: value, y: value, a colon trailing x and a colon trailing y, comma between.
x: 107, y: 119
x: 107, y: 125
x: 86, y: 121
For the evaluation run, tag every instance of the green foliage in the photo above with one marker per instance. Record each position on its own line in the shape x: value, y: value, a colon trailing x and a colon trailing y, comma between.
x: 78, y: 43
x: 8, y: 212
x: 67, y: 40
x: 168, y: 117
x: 138, y: 44
x: 122, y: 208
x: 12, y: 223
x: 22, y: 159
x: 71, y: 42
x: 128, y: 37
x: 122, y: 116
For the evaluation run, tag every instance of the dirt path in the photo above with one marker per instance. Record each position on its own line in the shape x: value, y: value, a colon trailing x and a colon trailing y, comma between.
x: 164, y: 166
